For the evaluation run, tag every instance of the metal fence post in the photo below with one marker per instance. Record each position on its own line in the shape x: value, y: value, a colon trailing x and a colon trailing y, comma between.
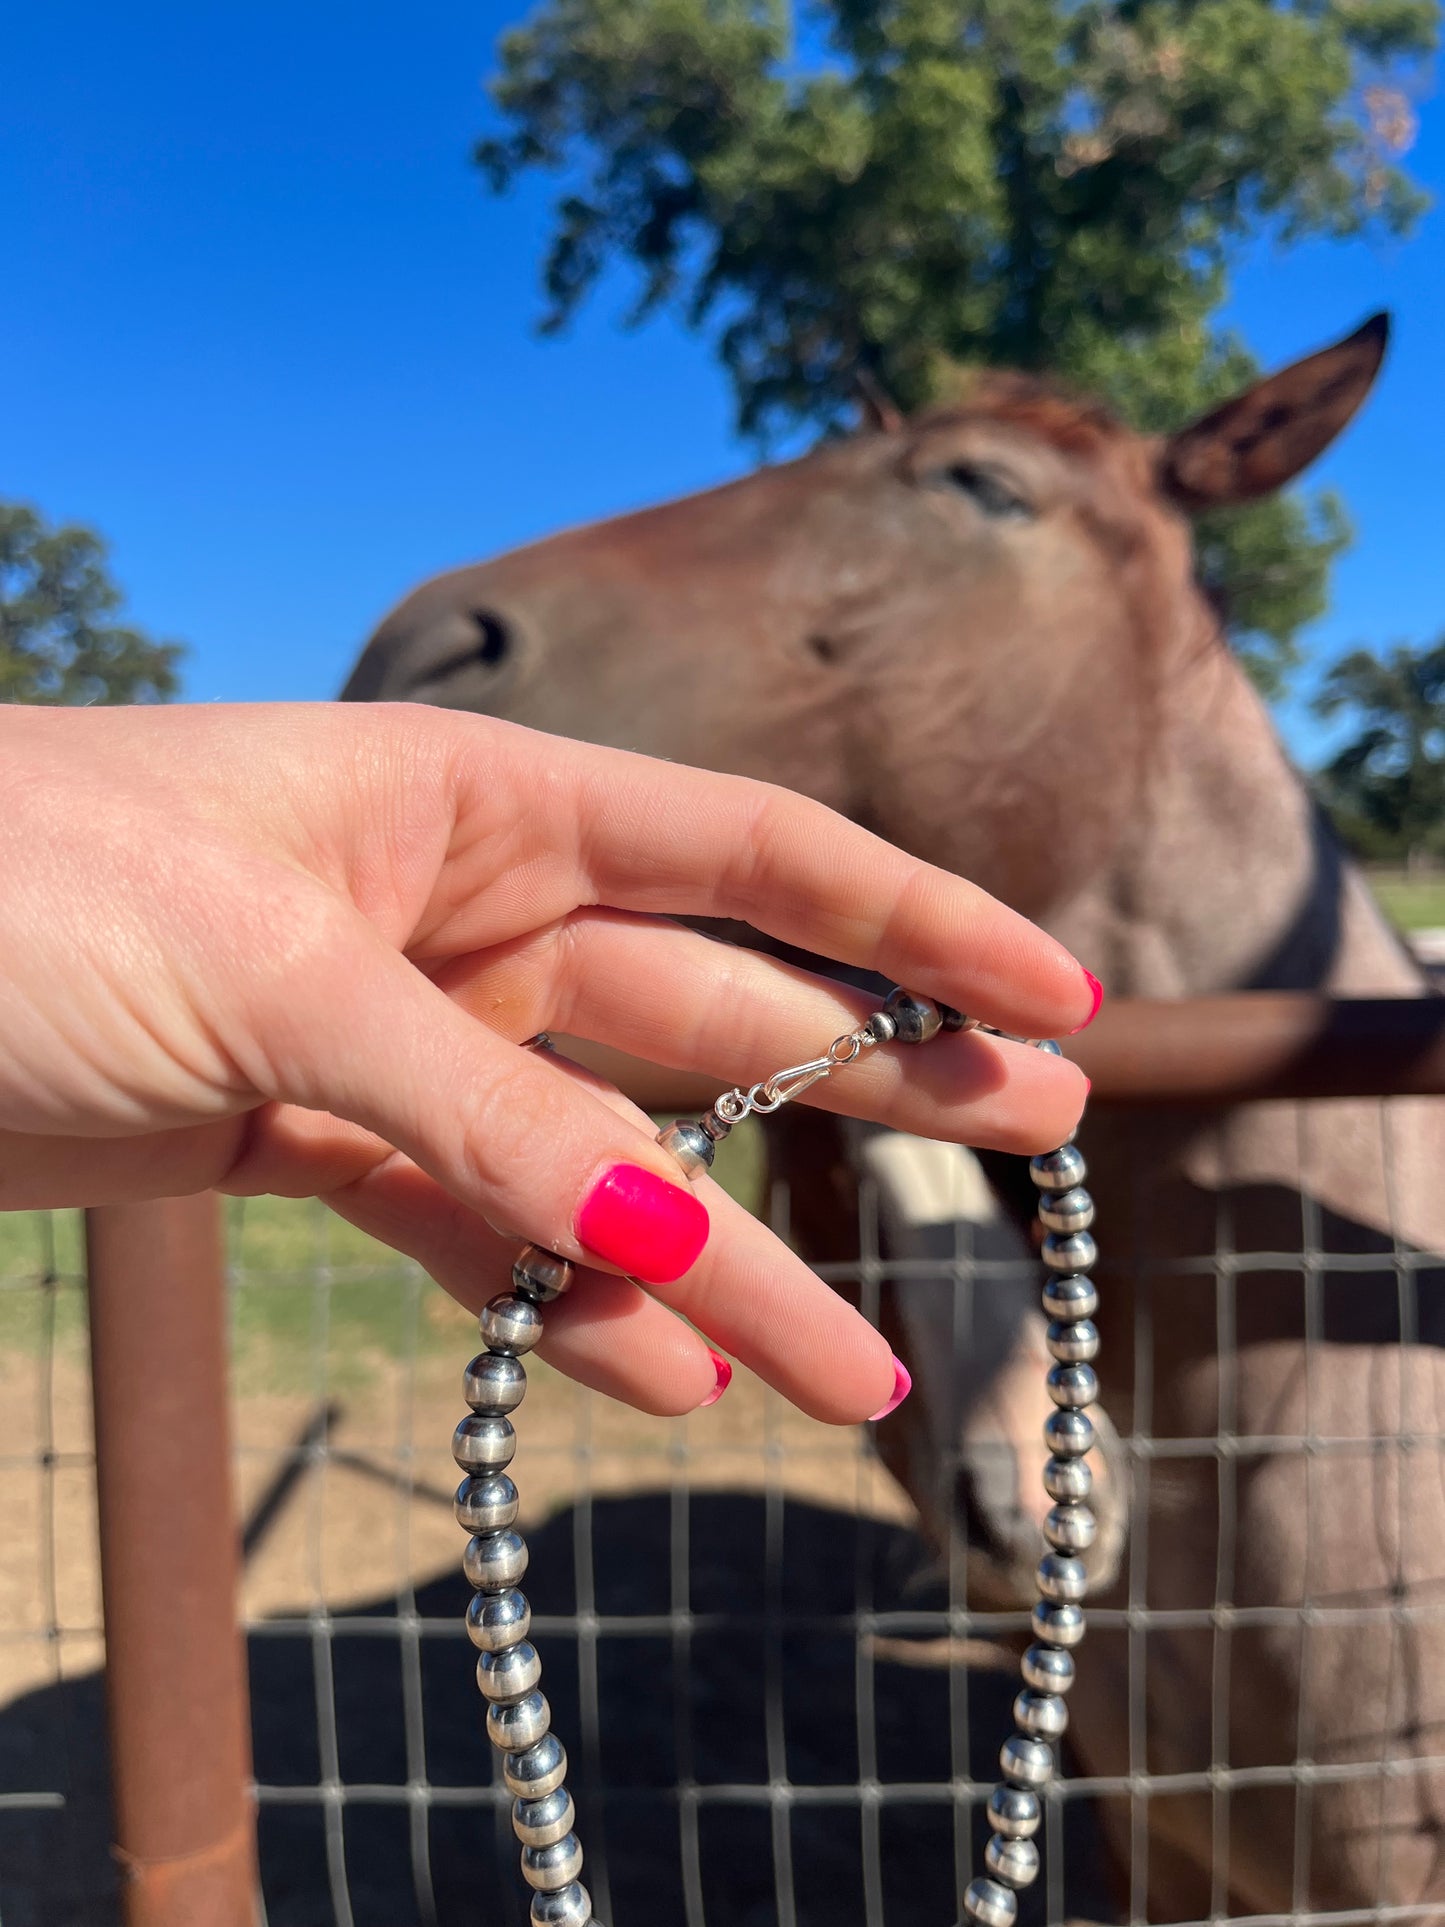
x: 175, y: 1665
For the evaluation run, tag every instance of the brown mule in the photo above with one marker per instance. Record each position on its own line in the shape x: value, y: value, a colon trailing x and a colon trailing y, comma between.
x: 979, y: 633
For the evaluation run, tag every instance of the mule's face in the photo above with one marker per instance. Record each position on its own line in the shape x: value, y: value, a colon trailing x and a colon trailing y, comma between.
x: 956, y: 631
x: 944, y: 632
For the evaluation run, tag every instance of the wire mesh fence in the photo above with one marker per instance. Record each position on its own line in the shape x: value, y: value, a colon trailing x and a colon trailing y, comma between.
x: 782, y: 1704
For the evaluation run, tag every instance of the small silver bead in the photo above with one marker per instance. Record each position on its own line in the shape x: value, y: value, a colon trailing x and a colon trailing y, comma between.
x: 882, y: 1026
x: 1050, y: 1046
x: 510, y: 1675
x: 571, y: 1907
x: 1026, y: 1762
x: 510, y: 1324
x: 486, y: 1504
x: 1014, y: 1862
x: 990, y: 1904
x: 1059, y: 1170
x: 550, y: 1869
x: 495, y: 1561
x: 917, y: 1018
x: 690, y: 1144
x: 513, y: 1728
x: 1014, y: 1812
x: 540, y: 1274
x: 1060, y: 1624
x: 1069, y: 1434
x: 494, y: 1383
x: 1062, y: 1577
x: 1048, y: 1669
x: 1071, y: 1210
x: 1071, y: 1528
x: 537, y: 1770
x: 1043, y: 1715
x: 1073, y: 1343
x: 955, y: 1019
x: 484, y: 1443
x: 498, y: 1619
x: 1073, y: 1385
x: 716, y: 1126
x: 1069, y: 1251
x: 537, y: 1823
x: 1068, y: 1479
x: 1070, y: 1298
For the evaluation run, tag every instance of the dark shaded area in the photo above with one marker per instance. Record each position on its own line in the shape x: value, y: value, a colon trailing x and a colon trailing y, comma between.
x: 763, y: 1581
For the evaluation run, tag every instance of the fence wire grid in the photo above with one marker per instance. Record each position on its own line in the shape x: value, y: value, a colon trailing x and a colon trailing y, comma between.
x: 779, y: 1705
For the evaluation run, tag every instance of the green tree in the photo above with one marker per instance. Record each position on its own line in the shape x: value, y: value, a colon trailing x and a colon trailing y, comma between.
x: 1386, y: 786
x: 57, y: 642
x: 902, y: 186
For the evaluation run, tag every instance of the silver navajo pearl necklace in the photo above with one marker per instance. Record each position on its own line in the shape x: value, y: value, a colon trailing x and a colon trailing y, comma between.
x: 519, y: 1720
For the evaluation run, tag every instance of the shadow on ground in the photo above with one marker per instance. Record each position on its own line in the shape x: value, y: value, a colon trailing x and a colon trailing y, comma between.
x: 770, y: 1671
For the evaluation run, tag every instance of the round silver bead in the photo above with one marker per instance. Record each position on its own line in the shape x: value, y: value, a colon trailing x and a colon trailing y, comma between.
x: 486, y: 1504
x: 916, y: 1018
x: 496, y: 1620
x: 690, y: 1144
x: 1069, y: 1434
x: 955, y: 1019
x: 1048, y: 1669
x: 552, y: 1868
x: 1069, y: 1251
x: 1026, y: 1762
x: 1044, y: 1716
x: 495, y: 1561
x: 1073, y: 1343
x: 1071, y: 1210
x: 990, y: 1904
x: 483, y: 1442
x: 1059, y: 1170
x: 1061, y: 1623
x: 538, y: 1823
x: 510, y: 1324
x: 495, y: 1383
x: 540, y: 1274
x: 570, y: 1907
x: 1073, y: 1385
x: 882, y: 1026
x: 1014, y: 1812
x: 537, y: 1770
x: 1068, y: 1298
x: 1014, y: 1862
x: 1062, y: 1577
x: 515, y: 1727
x: 508, y: 1676
x: 1071, y: 1528
x: 1068, y: 1479
x: 716, y: 1126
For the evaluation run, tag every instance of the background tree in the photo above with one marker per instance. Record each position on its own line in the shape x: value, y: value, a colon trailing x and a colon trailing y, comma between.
x: 908, y: 185
x: 1386, y: 787
x: 57, y: 644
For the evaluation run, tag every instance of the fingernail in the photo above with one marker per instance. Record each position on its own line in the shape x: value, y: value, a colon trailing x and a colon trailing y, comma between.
x: 902, y: 1386
x: 1097, y: 991
x: 645, y: 1226
x: 724, y: 1378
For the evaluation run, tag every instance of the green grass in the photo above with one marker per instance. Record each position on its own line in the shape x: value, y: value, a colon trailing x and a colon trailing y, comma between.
x: 303, y: 1279
x: 1414, y: 902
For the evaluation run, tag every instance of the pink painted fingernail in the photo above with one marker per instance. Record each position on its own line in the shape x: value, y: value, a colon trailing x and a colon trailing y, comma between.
x: 648, y: 1228
x: 724, y: 1378
x: 902, y: 1386
x: 1097, y: 991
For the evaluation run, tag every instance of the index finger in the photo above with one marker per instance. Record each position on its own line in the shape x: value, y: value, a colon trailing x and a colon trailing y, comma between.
x: 685, y: 842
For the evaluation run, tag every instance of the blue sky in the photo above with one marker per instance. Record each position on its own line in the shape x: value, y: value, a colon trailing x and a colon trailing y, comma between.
x: 265, y: 329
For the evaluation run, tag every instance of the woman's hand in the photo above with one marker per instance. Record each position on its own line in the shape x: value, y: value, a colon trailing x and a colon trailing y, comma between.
x: 295, y: 950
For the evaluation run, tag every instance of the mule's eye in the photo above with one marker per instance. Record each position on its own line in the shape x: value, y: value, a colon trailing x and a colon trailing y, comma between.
x: 988, y: 490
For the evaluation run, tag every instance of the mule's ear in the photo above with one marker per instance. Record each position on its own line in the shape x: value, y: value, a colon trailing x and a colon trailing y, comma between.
x: 1263, y: 438
x: 876, y: 407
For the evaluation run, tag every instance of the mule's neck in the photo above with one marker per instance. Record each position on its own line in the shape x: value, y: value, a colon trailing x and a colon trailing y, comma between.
x: 1228, y: 877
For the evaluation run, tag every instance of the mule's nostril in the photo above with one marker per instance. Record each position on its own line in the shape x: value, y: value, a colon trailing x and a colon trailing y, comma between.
x: 494, y: 638
x: 824, y: 648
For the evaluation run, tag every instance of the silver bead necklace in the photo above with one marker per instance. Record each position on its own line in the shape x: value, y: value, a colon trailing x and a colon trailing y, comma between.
x: 519, y: 1720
